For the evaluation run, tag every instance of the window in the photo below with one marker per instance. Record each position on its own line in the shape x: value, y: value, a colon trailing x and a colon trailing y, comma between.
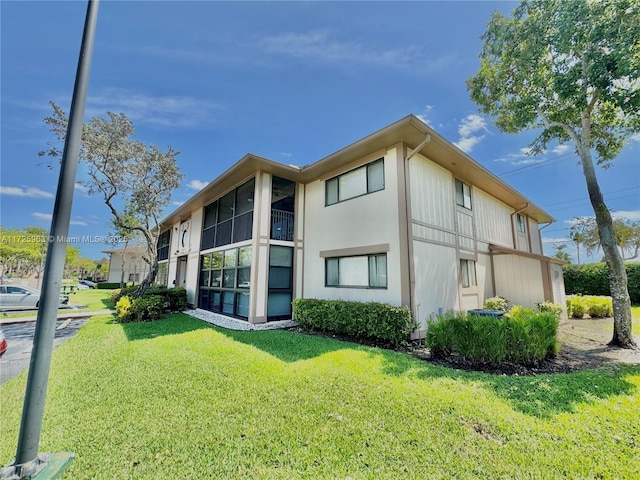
x: 282, y: 209
x: 367, y: 271
x: 366, y: 179
x: 280, y: 282
x: 164, y: 241
x: 225, y: 281
x: 468, y: 270
x: 230, y: 218
x: 521, y: 223
x: 463, y: 194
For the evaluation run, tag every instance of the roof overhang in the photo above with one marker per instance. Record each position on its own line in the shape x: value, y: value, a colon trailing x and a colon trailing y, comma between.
x: 500, y: 250
x: 410, y: 131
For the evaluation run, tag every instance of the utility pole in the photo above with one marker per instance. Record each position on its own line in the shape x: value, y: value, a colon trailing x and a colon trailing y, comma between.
x: 28, y: 463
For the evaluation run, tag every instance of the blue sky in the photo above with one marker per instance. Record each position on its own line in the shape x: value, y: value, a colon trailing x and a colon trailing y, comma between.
x: 289, y: 81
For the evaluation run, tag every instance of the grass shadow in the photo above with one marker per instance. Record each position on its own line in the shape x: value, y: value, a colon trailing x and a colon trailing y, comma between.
x: 173, y: 324
x: 289, y: 346
x: 541, y: 396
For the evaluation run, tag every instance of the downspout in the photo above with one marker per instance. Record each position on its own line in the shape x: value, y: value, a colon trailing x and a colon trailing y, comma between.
x: 409, y: 221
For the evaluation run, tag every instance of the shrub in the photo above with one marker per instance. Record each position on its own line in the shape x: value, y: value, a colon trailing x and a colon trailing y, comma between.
x: 147, y: 308
x: 599, y: 306
x: 363, y: 320
x: 107, y: 285
x: 552, y: 307
x: 518, y: 311
x: 123, y: 308
x: 117, y: 294
x: 596, y: 306
x: 593, y: 279
x: 144, y: 310
x: 177, y: 299
x: 523, y: 337
x: 576, y: 306
x: 496, y: 303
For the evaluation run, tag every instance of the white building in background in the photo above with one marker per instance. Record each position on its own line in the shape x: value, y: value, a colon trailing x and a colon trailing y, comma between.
x: 401, y: 216
x: 129, y: 261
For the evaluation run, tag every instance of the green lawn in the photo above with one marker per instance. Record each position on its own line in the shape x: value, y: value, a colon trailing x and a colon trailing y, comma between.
x: 93, y: 299
x: 178, y: 399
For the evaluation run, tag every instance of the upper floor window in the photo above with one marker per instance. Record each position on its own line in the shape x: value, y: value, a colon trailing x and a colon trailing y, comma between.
x: 164, y: 241
x: 366, y: 271
x: 230, y: 218
x: 360, y: 181
x: 463, y: 194
x: 521, y: 223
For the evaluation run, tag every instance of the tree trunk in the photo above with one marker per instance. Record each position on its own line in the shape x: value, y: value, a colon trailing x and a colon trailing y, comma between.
x: 622, y: 323
x: 148, y: 281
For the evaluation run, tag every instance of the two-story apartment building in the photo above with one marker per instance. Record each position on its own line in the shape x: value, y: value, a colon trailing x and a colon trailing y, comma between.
x: 401, y: 216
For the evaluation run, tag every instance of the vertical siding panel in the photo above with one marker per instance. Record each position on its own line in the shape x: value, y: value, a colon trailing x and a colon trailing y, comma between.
x: 431, y: 193
x: 493, y: 219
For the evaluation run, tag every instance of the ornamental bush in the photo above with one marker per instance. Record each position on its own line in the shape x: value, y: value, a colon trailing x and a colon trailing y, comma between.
x: 522, y: 337
x: 122, y: 309
x: 156, y: 301
x: 552, y: 307
x: 147, y: 308
x: 593, y: 279
x: 496, y: 303
x: 369, y: 320
x: 596, y: 306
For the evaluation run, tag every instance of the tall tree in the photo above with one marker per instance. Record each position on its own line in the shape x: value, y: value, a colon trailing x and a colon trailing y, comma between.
x: 135, y: 181
x: 569, y: 69
x: 626, y: 233
x: 561, y: 254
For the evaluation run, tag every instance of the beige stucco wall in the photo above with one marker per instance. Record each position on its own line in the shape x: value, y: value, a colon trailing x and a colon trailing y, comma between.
x: 370, y: 219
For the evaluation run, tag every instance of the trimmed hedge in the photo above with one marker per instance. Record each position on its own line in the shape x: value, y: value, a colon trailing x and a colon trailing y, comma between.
x: 368, y: 320
x: 593, y: 279
x: 596, y: 306
x: 107, y: 285
x: 522, y: 337
x: 155, y: 302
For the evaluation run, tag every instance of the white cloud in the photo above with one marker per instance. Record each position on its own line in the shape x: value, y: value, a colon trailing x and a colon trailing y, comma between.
x: 560, y: 149
x: 42, y: 216
x: 23, y: 191
x: 81, y: 188
x: 179, y: 111
x: 177, y: 203
x: 633, y: 215
x: 197, y: 184
x: 425, y: 115
x: 468, y: 127
x: 635, y: 137
x: 48, y: 216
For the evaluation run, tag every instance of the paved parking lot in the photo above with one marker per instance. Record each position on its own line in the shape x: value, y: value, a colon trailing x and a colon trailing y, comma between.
x: 20, y: 340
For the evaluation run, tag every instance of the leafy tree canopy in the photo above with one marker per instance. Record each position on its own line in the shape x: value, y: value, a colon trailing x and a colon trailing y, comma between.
x: 553, y: 62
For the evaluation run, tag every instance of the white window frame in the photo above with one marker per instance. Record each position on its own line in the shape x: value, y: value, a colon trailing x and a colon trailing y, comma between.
x: 371, y: 283
x: 361, y: 175
x: 464, y: 190
x: 468, y: 276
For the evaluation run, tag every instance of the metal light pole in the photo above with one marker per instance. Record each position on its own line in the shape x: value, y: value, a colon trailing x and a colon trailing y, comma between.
x: 28, y: 463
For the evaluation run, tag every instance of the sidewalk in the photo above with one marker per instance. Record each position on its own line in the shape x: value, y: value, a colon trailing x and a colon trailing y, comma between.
x: 61, y: 316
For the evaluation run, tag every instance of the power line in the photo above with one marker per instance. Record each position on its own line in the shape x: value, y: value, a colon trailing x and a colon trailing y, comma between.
x: 533, y: 166
x: 582, y: 198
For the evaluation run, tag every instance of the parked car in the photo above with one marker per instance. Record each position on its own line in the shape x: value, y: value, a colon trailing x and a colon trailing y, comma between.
x: 19, y: 297
x: 3, y: 343
x: 87, y: 283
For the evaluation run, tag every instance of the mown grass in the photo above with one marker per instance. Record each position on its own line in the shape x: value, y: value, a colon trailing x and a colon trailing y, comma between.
x: 92, y: 299
x: 177, y: 398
